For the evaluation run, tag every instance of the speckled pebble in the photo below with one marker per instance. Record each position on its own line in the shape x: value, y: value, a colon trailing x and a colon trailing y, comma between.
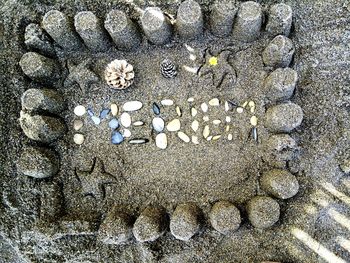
x: 263, y: 212
x: 79, y: 110
x: 225, y: 217
x: 78, y: 138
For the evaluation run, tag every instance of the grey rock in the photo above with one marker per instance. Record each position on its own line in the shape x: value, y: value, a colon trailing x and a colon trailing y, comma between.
x: 151, y: 224
x: 279, y: 52
x: 185, y: 221
x: 279, y: 183
x: 189, y: 20
x: 91, y: 31
x: 56, y: 24
x: 116, y: 228
x: 263, y: 212
x: 225, y: 217
x: 39, y: 68
x: 248, y: 22
x: 222, y: 16
x: 38, y: 162
x: 38, y: 100
x: 156, y: 26
x: 279, y: 19
x: 280, y: 84
x: 122, y: 30
x: 284, y: 117
x: 37, y: 40
x: 51, y: 201
x: 44, y: 129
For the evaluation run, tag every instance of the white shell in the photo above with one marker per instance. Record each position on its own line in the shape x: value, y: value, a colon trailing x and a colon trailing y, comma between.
x: 174, y: 125
x: 78, y: 124
x: 125, y: 119
x: 79, y: 110
x: 78, y: 138
x: 214, y: 102
x: 158, y: 124
x: 183, y: 136
x: 114, y: 109
x: 204, y: 107
x: 167, y: 102
x: 195, y: 125
x: 206, y: 131
x: 161, y: 141
x: 132, y: 105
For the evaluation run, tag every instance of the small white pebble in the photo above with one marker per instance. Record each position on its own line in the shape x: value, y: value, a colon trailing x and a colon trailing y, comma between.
x: 193, y: 112
x: 167, y: 102
x: 216, y: 122
x: 227, y: 107
x: 245, y: 104
x: 190, y: 99
x: 214, y: 102
x: 193, y: 57
x: 204, y: 107
x: 125, y: 119
x: 178, y: 111
x: 78, y: 124
x: 183, y: 136
x: 227, y: 128
x: 126, y: 133
x: 195, y: 125
x: 254, y: 120
x: 206, y: 131
x: 240, y: 110
x: 230, y: 137
x: 195, y: 139
x: 205, y: 118
x: 114, y: 109
x: 228, y: 119
x: 78, y: 138
x: 138, y: 123
x: 79, y: 110
x: 209, y: 138
x: 216, y: 137
x: 174, y: 125
x: 251, y: 104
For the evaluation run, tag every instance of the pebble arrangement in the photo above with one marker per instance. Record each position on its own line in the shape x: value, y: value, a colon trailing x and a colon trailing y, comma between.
x: 40, y: 119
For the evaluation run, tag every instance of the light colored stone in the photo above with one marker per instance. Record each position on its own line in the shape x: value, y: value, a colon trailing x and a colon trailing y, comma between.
x: 167, y: 102
x: 78, y: 124
x: 125, y: 119
x: 193, y: 112
x: 216, y: 122
x: 132, y: 105
x: 114, y: 109
x: 254, y: 121
x: 79, y: 110
x: 174, y: 125
x: 158, y: 124
x: 228, y: 119
x: 126, y: 133
x: 229, y: 137
x: 204, y: 107
x: 78, y: 138
x: 191, y: 99
x: 178, y: 111
x: 161, y: 141
x: 183, y: 136
x: 216, y: 137
x: 138, y: 123
x: 206, y: 131
x: 214, y: 102
x: 240, y: 109
x: 205, y: 118
x: 195, y: 139
x: 195, y: 125
x: 227, y: 106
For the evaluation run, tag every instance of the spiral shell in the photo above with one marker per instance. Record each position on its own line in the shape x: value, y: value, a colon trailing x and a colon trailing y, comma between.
x: 119, y: 74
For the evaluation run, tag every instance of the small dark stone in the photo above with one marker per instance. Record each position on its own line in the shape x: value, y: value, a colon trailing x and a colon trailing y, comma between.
x: 155, y: 108
x: 263, y: 211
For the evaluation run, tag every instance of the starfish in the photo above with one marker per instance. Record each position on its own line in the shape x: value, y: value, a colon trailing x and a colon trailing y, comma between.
x: 93, y: 182
x: 81, y: 74
x: 218, y: 67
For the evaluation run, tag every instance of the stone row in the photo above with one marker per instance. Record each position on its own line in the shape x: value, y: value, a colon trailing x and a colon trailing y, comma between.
x: 244, y: 20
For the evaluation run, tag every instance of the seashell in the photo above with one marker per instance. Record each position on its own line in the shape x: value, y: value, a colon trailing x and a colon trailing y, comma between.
x: 132, y: 105
x: 138, y: 141
x: 195, y: 139
x: 114, y: 109
x: 79, y: 110
x: 125, y: 119
x: 206, y: 131
x: 204, y: 107
x: 167, y: 102
x: 155, y: 108
x: 78, y: 124
x: 183, y: 136
x: 161, y: 141
x: 119, y: 74
x: 78, y: 138
x: 174, y: 125
x: 113, y: 124
x: 214, y: 102
x: 138, y: 123
x: 193, y: 112
x: 254, y: 121
x: 158, y: 124
x: 195, y: 125
x: 117, y: 137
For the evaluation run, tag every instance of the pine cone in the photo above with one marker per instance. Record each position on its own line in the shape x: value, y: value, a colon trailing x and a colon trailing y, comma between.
x: 168, y: 69
x: 119, y: 74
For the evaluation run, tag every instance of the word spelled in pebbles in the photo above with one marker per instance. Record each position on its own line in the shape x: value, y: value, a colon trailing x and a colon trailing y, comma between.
x: 79, y: 110
x: 167, y: 102
x: 204, y: 107
x: 174, y: 125
x: 183, y: 136
x: 125, y: 119
x: 158, y: 124
x: 214, y: 102
x: 195, y: 125
x: 117, y: 137
x: 139, y: 141
x: 132, y: 105
x: 78, y: 138
x: 78, y: 124
x: 114, y: 109
x: 161, y: 141
x: 113, y: 124
x: 155, y: 108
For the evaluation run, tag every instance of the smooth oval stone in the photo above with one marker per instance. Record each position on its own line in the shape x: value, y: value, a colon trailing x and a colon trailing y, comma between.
x: 225, y: 217
x: 117, y: 137
x: 125, y: 119
x: 138, y: 141
x: 174, y: 125
x: 214, y: 102
x: 167, y: 102
x: 195, y: 125
x: 216, y: 122
x: 132, y: 105
x: 155, y: 108
x: 161, y: 141
x: 228, y: 119
x: 78, y: 138
x: 138, y: 123
x: 126, y: 133
x: 206, y: 118
x: 206, y: 131
x: 204, y: 107
x: 158, y: 124
x: 193, y: 112
x: 78, y: 124
x: 79, y: 110
x: 104, y: 113
x: 195, y: 139
x: 96, y: 120
x: 263, y: 212
x: 183, y: 136
x: 114, y: 109
x: 113, y: 124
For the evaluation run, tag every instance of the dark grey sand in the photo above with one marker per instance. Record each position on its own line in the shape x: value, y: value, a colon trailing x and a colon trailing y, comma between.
x: 202, y: 174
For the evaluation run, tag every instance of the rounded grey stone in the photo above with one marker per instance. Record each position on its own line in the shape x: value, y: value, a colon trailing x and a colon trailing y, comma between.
x: 279, y: 183
x: 284, y: 117
x: 263, y: 211
x: 37, y: 40
x: 44, y: 129
x: 248, y: 22
x: 91, y: 31
x: 279, y: 52
x: 38, y: 162
x: 151, y: 224
x: 61, y: 30
x: 116, y: 228
x: 189, y: 20
x: 122, y: 30
x: 225, y: 217
x: 279, y: 19
x: 280, y: 148
x: 156, y: 26
x: 222, y: 16
x: 185, y: 221
x: 38, y: 100
x: 39, y: 68
x: 280, y: 84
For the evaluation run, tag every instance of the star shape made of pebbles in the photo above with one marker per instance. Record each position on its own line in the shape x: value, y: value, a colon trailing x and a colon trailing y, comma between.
x: 218, y: 67
x: 81, y: 74
x: 93, y: 182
